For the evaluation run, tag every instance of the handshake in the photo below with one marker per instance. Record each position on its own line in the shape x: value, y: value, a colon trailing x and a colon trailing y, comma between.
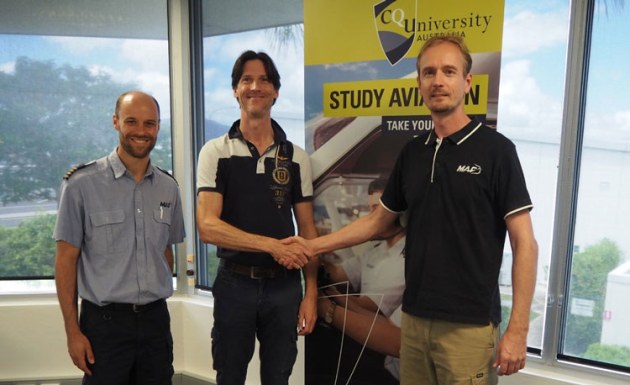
x: 294, y: 252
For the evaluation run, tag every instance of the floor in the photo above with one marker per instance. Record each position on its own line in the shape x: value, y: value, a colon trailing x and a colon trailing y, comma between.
x: 178, y: 379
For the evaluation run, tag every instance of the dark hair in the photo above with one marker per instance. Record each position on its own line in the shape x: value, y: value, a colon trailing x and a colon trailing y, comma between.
x: 122, y: 96
x: 377, y: 185
x: 456, y: 41
x: 270, y: 68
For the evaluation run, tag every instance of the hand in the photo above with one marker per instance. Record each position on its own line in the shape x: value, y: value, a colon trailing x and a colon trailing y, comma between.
x: 307, y: 315
x: 291, y: 256
x: 80, y: 351
x: 511, y: 353
x: 305, y: 244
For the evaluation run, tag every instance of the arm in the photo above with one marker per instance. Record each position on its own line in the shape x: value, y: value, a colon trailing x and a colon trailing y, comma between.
x: 218, y: 232
x: 79, y: 347
x: 308, y: 308
x: 168, y: 255
x: 512, y: 349
x: 384, y: 336
x: 378, y: 222
x: 335, y: 272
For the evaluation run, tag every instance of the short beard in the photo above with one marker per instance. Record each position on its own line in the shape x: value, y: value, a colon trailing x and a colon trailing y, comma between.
x: 129, y: 149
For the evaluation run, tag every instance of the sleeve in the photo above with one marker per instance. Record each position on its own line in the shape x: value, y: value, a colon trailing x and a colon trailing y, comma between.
x: 177, y: 230
x: 208, y: 168
x: 511, y: 186
x: 393, y: 198
x: 302, y: 164
x: 70, y: 215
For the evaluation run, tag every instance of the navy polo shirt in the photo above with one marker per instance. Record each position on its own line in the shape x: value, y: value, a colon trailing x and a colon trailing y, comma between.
x: 259, y: 190
x: 458, y: 191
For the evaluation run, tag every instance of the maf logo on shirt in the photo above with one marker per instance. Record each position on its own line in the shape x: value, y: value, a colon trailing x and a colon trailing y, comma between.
x: 475, y: 169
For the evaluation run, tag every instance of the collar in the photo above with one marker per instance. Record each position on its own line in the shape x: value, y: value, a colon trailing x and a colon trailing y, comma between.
x: 457, y: 137
x: 279, y: 135
x: 119, y: 168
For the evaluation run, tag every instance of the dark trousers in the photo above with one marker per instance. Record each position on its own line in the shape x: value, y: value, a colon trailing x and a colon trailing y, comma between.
x: 131, y: 346
x: 248, y: 308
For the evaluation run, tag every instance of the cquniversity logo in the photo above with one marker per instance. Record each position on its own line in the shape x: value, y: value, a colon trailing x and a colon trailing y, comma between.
x: 394, y: 21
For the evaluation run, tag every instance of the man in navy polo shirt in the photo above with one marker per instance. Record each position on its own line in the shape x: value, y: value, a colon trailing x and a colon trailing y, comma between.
x: 463, y: 187
x: 251, y: 182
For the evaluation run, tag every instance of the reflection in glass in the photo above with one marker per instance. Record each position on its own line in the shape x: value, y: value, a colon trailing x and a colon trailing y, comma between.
x: 58, y: 88
x: 597, y: 318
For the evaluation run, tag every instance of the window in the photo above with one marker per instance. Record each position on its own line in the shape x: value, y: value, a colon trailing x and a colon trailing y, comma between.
x: 596, y: 307
x: 62, y: 66
x: 530, y: 114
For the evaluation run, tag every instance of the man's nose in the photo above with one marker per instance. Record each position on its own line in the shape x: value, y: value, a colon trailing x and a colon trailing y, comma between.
x: 439, y: 78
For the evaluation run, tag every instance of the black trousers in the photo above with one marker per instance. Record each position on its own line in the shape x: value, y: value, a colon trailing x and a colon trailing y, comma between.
x: 132, y: 346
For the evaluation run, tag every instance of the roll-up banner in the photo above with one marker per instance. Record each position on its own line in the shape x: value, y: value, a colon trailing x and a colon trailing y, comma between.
x: 362, y: 105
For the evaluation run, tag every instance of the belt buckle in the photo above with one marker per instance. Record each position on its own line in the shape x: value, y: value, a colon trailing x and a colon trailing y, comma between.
x: 253, y: 272
x: 261, y: 272
x: 136, y: 308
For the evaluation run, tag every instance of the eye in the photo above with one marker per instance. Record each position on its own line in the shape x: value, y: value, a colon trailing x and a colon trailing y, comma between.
x: 450, y: 71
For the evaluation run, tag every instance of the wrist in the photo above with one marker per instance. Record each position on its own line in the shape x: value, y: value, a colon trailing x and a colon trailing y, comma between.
x: 329, y: 316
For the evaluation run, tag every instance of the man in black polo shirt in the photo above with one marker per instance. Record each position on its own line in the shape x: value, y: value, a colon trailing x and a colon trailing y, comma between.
x: 463, y: 188
x: 250, y: 183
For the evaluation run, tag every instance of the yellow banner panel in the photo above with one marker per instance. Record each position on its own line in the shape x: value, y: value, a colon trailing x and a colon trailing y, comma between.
x: 392, y: 97
x: 340, y: 31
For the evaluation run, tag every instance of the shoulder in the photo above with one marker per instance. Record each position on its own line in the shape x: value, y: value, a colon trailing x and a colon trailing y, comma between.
x: 76, y: 170
x: 162, y: 171
x: 222, y: 146
x: 298, y: 152
x: 493, y: 136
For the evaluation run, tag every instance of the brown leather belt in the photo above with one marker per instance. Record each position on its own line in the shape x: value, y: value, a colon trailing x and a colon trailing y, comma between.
x: 124, y: 307
x: 254, y: 272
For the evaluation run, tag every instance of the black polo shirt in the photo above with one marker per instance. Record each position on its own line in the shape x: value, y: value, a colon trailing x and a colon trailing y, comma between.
x: 458, y: 192
x: 259, y: 191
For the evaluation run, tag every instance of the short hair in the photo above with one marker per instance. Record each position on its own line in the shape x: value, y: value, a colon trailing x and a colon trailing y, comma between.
x: 456, y: 41
x: 377, y: 185
x: 122, y: 96
x: 270, y: 68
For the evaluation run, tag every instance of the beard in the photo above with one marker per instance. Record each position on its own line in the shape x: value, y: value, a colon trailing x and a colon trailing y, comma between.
x: 128, y: 145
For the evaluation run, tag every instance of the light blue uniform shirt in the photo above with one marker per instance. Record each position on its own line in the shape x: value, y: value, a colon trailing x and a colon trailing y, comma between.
x: 122, y: 228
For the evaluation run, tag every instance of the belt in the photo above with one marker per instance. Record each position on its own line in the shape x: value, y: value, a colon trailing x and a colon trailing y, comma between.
x: 254, y: 272
x: 125, y: 307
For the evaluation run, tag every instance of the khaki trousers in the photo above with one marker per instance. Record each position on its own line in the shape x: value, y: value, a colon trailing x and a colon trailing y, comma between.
x: 435, y: 352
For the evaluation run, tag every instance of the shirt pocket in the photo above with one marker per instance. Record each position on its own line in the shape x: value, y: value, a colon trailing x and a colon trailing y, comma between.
x: 108, y: 232
x: 162, y: 222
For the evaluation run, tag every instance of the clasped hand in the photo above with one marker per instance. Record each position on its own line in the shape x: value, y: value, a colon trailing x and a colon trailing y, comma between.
x: 293, y: 253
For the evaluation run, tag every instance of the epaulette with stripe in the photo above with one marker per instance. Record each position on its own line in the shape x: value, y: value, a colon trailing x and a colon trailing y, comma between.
x: 167, y: 173
x: 76, y: 168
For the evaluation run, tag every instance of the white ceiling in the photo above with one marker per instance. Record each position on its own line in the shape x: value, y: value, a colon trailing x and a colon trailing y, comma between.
x: 137, y: 18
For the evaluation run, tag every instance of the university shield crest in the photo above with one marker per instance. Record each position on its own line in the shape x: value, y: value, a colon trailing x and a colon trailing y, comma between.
x: 395, y: 26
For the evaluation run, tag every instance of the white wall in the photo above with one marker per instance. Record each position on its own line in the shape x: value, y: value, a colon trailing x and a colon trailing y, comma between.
x: 33, y: 342
x: 33, y: 346
x: 616, y: 310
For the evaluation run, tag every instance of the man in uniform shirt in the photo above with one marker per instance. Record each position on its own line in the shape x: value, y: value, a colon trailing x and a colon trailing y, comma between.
x: 118, y: 219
